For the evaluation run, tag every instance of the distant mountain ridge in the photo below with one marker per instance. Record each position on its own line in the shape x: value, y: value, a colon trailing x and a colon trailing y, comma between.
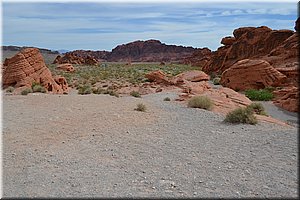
x: 18, y: 48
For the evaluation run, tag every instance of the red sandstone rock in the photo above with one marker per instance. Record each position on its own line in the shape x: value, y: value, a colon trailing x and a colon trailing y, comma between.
x: 27, y: 67
x: 194, y: 76
x: 251, y: 74
x: 287, y: 98
x: 200, y: 57
x: 66, y: 67
x: 228, y: 40
x: 72, y: 58
x: 158, y: 77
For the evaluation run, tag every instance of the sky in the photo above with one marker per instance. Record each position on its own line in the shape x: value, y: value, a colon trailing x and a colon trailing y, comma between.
x: 104, y: 25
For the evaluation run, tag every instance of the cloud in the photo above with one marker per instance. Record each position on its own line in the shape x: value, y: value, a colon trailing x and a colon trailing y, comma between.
x: 104, y: 25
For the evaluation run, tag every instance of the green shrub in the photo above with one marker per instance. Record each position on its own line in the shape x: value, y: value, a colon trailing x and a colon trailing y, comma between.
x: 98, y: 90
x: 10, y: 89
x: 200, y: 102
x: 26, y: 91
x: 38, y: 88
x: 241, y: 115
x: 112, y: 93
x: 84, y: 89
x: 167, y: 99
x: 135, y: 94
x: 257, y: 108
x: 216, y: 81
x: 259, y: 95
x: 141, y: 107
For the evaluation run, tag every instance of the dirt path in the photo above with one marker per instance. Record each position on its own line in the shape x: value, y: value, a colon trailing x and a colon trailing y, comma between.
x: 98, y: 146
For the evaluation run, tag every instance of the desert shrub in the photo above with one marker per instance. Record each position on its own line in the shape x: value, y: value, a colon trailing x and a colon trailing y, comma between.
x: 216, y: 81
x: 141, y: 107
x: 98, y: 90
x: 10, y: 89
x: 259, y: 95
x: 203, y: 102
x: 135, y: 94
x: 112, y: 93
x: 38, y: 88
x: 241, y: 115
x: 84, y: 89
x: 257, y: 108
x: 167, y: 99
x: 26, y: 91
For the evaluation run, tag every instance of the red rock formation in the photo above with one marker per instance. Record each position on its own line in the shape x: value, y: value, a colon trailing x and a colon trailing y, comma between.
x: 72, y: 58
x: 194, y: 76
x: 287, y: 98
x: 251, y: 74
x: 158, y: 77
x: 66, y: 67
x: 248, y: 42
x: 149, y: 51
x: 27, y: 67
x: 199, y: 58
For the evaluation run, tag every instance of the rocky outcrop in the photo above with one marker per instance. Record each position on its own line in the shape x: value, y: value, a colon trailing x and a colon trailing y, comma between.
x: 158, y: 77
x: 28, y: 67
x: 194, y: 76
x: 149, y: 51
x: 251, y: 74
x: 200, y: 57
x: 72, y: 58
x: 287, y: 98
x: 66, y: 67
x: 248, y: 42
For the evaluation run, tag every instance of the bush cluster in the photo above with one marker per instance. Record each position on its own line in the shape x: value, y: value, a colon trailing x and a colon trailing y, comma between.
x: 26, y: 91
x: 141, y: 107
x: 259, y: 95
x: 202, y: 102
x: 241, y: 115
x: 135, y: 94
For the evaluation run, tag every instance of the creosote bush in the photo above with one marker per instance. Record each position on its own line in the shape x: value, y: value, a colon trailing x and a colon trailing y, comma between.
x: 203, y: 102
x: 257, y: 108
x: 10, y: 89
x: 167, y: 99
x: 26, y: 91
x: 216, y: 81
x: 241, y: 115
x: 84, y: 89
x: 38, y: 88
x: 141, y: 107
x: 259, y: 95
x: 135, y: 94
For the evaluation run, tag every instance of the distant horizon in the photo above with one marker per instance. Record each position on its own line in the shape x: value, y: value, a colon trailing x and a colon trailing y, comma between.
x: 103, y: 26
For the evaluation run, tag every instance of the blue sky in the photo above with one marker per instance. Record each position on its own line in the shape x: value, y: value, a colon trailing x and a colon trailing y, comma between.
x: 103, y: 26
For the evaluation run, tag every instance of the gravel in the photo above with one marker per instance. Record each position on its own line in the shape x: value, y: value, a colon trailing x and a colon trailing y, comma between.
x: 98, y: 146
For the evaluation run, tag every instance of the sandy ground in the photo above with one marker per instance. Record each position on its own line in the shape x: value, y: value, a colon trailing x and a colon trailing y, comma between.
x: 99, y: 146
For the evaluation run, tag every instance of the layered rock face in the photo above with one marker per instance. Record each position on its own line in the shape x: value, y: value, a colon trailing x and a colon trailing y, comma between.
x: 248, y: 42
x: 287, y: 98
x: 149, y: 51
x: 27, y: 67
x: 66, y: 67
x: 251, y: 74
x: 200, y: 57
x: 137, y: 51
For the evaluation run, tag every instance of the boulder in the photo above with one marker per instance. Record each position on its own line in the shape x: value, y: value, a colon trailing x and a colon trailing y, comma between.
x: 251, y: 74
x: 228, y: 40
x: 28, y: 67
x: 287, y: 98
x: 66, y: 67
x: 194, y: 76
x: 158, y: 77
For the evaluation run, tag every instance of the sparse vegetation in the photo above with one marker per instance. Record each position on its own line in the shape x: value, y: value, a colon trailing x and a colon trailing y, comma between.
x: 141, y: 107
x: 202, y: 102
x: 241, y: 115
x: 167, y: 99
x: 135, y: 94
x: 257, y: 108
x: 216, y: 81
x: 105, y: 91
x: 38, y: 88
x: 134, y: 74
x: 10, y: 89
x: 84, y: 89
x: 26, y: 91
x: 259, y: 95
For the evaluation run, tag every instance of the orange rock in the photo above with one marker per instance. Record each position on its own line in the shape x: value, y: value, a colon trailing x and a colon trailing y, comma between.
x: 194, y: 76
x: 158, y: 77
x: 72, y: 58
x: 251, y: 74
x: 287, y: 98
x: 228, y: 40
x: 66, y: 67
x: 26, y: 67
